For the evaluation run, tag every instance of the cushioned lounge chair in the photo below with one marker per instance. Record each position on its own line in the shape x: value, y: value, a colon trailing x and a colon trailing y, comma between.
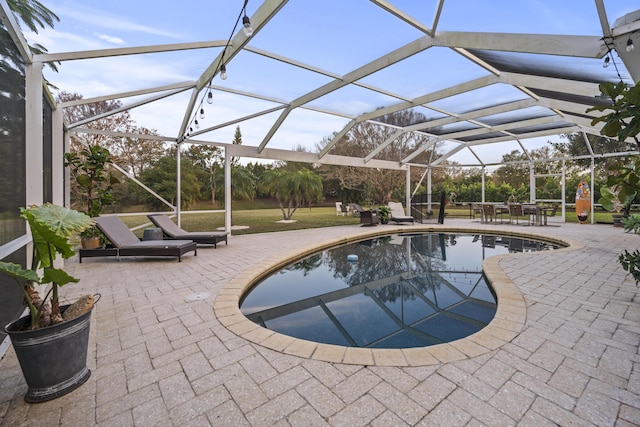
x: 128, y: 244
x: 397, y: 213
x: 366, y: 217
x: 170, y: 230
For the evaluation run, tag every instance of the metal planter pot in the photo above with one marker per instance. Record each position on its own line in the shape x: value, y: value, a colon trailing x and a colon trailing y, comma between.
x: 53, y: 359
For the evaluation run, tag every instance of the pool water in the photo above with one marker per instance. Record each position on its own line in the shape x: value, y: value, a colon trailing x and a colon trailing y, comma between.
x: 403, y: 291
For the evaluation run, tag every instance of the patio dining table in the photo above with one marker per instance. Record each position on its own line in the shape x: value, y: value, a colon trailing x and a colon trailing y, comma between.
x: 538, y: 212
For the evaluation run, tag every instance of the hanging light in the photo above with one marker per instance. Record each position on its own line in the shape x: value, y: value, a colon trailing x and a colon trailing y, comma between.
x: 246, y: 26
x: 630, y: 46
x: 606, y: 62
x: 223, y: 72
x: 202, y: 113
x: 209, y: 98
x: 197, y: 124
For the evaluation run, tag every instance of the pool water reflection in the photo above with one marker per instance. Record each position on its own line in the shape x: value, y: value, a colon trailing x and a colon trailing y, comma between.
x: 406, y: 290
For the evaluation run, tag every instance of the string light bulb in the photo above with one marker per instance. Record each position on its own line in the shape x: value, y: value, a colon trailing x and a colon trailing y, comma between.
x: 197, y: 124
x: 209, y: 98
x: 630, y: 46
x: 223, y: 72
x: 606, y: 62
x: 246, y: 26
x: 202, y: 113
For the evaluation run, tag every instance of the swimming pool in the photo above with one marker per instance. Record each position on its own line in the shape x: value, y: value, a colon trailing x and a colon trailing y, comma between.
x: 403, y: 291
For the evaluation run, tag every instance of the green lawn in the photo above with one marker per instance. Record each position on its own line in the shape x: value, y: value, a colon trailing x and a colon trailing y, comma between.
x: 266, y: 220
x: 257, y: 220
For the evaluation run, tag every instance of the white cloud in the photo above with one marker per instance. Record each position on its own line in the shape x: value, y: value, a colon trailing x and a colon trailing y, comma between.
x: 110, y: 39
x: 99, y: 19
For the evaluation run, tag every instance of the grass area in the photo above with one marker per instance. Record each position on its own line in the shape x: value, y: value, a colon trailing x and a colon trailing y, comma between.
x: 258, y: 220
x: 266, y: 220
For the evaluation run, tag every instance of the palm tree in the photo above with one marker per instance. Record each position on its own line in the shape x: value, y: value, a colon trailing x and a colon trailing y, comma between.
x: 34, y: 14
x: 309, y: 186
x: 292, y: 189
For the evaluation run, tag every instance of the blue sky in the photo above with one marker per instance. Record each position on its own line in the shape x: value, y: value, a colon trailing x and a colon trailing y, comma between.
x: 333, y: 35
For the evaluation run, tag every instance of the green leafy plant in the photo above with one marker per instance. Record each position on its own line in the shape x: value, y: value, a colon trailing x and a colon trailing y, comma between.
x: 632, y: 223
x: 51, y: 226
x: 95, y: 182
x: 623, y: 188
x: 622, y: 122
x: 630, y: 262
x: 384, y: 213
x: 624, y: 119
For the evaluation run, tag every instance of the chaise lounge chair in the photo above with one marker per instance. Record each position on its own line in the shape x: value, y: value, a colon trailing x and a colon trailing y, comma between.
x: 366, y: 217
x: 397, y: 213
x: 171, y: 231
x: 127, y: 244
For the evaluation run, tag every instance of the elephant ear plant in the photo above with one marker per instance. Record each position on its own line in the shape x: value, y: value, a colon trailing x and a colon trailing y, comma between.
x: 51, y: 227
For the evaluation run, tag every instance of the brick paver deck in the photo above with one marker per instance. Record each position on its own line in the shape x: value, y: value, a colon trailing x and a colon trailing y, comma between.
x: 159, y: 355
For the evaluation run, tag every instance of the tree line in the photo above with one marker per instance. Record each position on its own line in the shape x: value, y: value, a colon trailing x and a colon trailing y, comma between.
x: 291, y: 185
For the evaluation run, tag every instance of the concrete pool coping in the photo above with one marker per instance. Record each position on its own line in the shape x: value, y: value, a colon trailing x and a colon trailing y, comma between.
x: 507, y: 323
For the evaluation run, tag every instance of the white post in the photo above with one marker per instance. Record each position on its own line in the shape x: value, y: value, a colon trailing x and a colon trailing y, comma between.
x: 564, y: 192
x: 58, y: 173
x: 33, y: 135
x: 178, y: 186
x: 591, y: 190
x: 408, y: 191
x: 227, y: 190
x: 67, y: 175
x: 532, y: 184
x: 484, y: 170
x: 34, y: 156
x: 429, y: 199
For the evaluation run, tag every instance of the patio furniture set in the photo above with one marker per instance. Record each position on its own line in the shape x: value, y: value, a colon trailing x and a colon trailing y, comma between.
x: 168, y: 240
x: 370, y: 217
x: 534, y: 214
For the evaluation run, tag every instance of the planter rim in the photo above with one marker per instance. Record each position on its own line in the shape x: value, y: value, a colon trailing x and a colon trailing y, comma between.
x: 53, y: 358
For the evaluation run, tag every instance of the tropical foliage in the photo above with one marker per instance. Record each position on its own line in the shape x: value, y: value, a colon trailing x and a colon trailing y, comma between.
x: 292, y: 190
x: 93, y: 180
x: 623, y: 121
x: 623, y: 187
x: 51, y: 227
x: 35, y: 16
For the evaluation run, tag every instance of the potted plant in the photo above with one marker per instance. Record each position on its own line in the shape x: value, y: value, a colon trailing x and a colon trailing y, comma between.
x: 95, y: 186
x: 630, y: 261
x: 623, y: 188
x: 51, y: 341
x: 610, y: 201
x: 384, y: 213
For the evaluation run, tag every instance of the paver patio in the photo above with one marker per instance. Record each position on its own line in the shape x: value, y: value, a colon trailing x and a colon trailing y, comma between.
x: 160, y: 357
